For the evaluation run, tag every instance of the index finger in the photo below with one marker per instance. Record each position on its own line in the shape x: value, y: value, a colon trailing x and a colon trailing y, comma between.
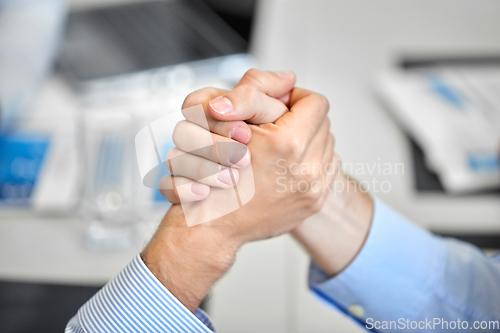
x: 237, y: 130
x: 307, y: 112
x: 259, y: 97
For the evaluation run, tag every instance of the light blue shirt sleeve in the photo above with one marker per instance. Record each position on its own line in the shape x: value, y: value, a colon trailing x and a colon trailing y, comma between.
x: 135, y: 301
x: 406, y: 278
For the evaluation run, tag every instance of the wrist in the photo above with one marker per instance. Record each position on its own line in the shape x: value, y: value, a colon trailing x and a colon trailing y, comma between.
x: 336, y: 235
x: 188, y: 260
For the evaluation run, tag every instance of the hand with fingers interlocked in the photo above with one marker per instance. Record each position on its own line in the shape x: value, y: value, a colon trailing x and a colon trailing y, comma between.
x: 272, y: 125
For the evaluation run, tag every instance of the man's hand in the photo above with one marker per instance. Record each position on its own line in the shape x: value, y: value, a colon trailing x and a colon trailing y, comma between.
x: 259, y: 97
x: 300, y: 137
x: 335, y: 235
x: 189, y: 260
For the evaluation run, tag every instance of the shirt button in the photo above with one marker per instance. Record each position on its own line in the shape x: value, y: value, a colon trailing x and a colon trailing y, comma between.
x: 356, y: 310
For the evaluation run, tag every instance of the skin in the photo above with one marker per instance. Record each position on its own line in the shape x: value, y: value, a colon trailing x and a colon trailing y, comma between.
x: 290, y: 124
x: 334, y: 237
x: 259, y: 98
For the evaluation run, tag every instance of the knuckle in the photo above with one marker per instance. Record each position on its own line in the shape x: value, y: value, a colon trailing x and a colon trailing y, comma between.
x: 166, y: 183
x: 170, y: 155
x: 171, y: 196
x: 310, y: 181
x: 322, y: 101
x: 294, y: 147
x: 218, y: 127
x: 173, y: 152
x: 178, y: 135
x: 246, y: 92
x: 255, y: 77
x: 316, y: 207
x: 199, y: 97
x: 328, y: 122
x: 291, y: 149
x: 192, y: 99
x: 253, y: 74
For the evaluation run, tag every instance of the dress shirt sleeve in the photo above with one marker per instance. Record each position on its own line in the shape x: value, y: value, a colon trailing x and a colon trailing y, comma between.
x: 405, y: 274
x: 135, y: 301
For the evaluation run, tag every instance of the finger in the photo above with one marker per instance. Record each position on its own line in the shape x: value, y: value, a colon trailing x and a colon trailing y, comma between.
x: 256, y: 98
x: 177, y: 189
x: 331, y: 159
x: 198, y: 141
x: 329, y: 169
x: 318, y: 148
x: 308, y: 111
x: 247, y: 103
x: 286, y: 99
x: 200, y: 169
x: 319, y: 142
x: 330, y: 145
x: 237, y: 130
x: 330, y: 174
x: 273, y: 84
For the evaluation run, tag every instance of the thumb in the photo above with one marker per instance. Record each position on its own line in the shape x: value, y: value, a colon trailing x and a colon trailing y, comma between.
x: 258, y: 98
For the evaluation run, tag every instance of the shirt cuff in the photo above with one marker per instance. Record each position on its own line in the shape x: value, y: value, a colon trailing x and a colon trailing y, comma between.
x: 135, y: 301
x: 394, y: 275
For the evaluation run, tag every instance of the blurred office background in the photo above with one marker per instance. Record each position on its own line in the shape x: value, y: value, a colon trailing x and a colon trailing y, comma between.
x: 414, y: 86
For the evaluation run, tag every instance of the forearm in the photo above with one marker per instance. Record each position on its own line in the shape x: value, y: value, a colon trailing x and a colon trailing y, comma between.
x: 401, y: 264
x: 335, y: 236
x: 188, y: 260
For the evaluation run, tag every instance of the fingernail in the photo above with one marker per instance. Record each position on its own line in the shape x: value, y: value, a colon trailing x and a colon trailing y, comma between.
x: 239, y: 134
x: 238, y: 156
x: 286, y: 75
x: 225, y: 177
x: 221, y: 105
x: 199, y: 189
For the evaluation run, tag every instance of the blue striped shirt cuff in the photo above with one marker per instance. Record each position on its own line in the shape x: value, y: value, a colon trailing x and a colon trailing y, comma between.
x: 135, y: 301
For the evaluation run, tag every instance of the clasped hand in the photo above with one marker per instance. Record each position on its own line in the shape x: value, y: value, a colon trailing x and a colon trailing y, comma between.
x: 287, y: 127
x: 281, y: 126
